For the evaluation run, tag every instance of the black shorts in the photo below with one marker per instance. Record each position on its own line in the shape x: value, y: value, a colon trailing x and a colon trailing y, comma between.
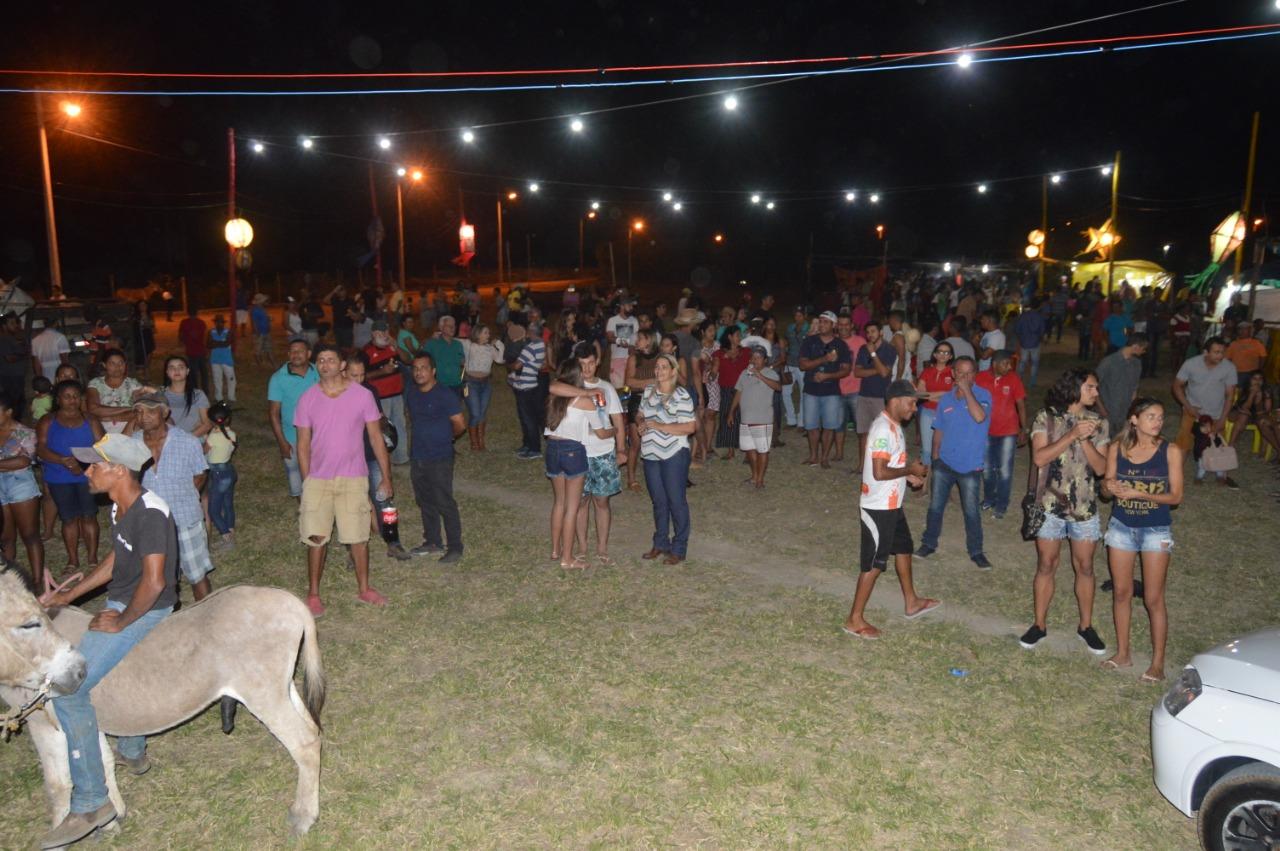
x: 884, y: 534
x: 73, y: 500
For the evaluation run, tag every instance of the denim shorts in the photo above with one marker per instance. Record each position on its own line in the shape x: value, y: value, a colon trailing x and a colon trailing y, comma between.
x: 823, y: 412
x: 72, y: 499
x: 18, y: 486
x: 1139, y: 539
x: 1056, y: 528
x: 566, y: 459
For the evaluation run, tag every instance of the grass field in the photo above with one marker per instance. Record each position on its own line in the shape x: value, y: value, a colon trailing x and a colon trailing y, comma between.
x: 505, y: 703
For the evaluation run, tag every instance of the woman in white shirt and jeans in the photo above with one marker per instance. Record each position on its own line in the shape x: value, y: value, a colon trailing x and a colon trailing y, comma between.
x: 479, y: 354
x: 569, y: 422
x: 665, y: 421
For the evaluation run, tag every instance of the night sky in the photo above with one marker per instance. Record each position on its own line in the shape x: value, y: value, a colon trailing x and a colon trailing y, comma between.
x: 1181, y: 116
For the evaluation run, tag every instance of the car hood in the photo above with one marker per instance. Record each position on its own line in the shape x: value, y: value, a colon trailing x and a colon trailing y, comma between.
x: 1249, y: 665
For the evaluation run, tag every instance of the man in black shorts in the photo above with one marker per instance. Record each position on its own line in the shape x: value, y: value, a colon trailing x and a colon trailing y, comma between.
x: 885, y: 477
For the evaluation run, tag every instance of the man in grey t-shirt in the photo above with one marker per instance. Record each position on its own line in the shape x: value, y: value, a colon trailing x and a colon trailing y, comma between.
x: 1118, y: 376
x: 753, y: 400
x: 1205, y: 385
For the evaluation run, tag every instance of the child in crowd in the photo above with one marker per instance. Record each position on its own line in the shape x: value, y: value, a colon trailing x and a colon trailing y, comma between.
x: 220, y: 445
x: 42, y: 401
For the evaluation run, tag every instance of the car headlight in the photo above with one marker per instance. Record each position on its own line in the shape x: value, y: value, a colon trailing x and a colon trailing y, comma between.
x: 1186, y: 688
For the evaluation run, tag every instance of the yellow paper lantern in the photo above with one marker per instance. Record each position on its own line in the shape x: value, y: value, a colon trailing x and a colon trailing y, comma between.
x: 1032, y: 251
x: 1036, y: 237
x: 239, y: 233
x: 1227, y: 236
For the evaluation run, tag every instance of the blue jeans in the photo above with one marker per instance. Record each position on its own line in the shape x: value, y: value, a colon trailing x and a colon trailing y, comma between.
x: 393, y: 410
x: 222, y: 496
x: 998, y: 478
x: 667, y: 480
x: 926, y: 416
x: 102, y: 651
x: 1031, y: 358
x: 293, y: 474
x: 478, y: 395
x: 969, y: 483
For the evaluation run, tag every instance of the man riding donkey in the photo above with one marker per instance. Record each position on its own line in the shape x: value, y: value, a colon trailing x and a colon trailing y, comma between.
x: 141, y: 577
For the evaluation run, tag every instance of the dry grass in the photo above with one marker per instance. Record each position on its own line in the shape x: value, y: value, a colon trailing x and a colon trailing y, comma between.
x: 503, y: 703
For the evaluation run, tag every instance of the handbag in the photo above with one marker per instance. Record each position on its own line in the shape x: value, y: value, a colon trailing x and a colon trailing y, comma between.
x: 1218, y: 457
x: 1033, y: 513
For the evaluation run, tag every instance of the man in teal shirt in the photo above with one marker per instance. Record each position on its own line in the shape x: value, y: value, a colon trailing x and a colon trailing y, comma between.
x: 447, y: 353
x: 287, y: 384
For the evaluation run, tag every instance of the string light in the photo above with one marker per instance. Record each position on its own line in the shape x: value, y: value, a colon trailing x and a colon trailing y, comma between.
x: 576, y: 125
x: 1106, y: 171
x: 677, y: 206
x: 384, y: 143
x: 400, y: 172
x: 666, y: 196
x: 258, y: 147
x: 534, y: 187
x: 1057, y: 178
x: 875, y: 198
x: 755, y: 198
x: 731, y: 103
x: 982, y: 189
x: 851, y: 197
x: 769, y: 206
x: 964, y: 60
x: 718, y: 237
x: 468, y: 136
x: 307, y: 143
x: 595, y: 205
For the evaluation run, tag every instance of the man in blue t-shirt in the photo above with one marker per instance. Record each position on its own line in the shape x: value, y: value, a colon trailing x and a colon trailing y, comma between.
x: 285, y: 387
x: 1117, y: 327
x: 1028, y: 333
x: 824, y: 357
x: 874, y: 365
x: 960, y: 429
x: 435, y: 418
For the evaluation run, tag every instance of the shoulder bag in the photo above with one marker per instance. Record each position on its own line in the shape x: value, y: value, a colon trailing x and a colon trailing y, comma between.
x: 1033, y: 513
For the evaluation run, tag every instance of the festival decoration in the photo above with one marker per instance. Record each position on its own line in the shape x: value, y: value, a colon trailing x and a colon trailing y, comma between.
x: 1227, y: 237
x: 1101, y: 240
x: 466, y: 243
x: 239, y: 233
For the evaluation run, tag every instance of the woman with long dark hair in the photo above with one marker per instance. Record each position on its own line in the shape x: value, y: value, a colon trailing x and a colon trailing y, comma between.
x: 1069, y: 445
x: 732, y: 361
x: 65, y: 428
x: 1144, y: 475
x: 568, y: 424
x: 936, y: 379
x: 188, y: 406
x: 19, y: 493
x: 710, y: 403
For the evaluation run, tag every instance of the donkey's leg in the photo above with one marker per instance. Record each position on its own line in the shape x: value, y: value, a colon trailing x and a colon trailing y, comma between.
x: 51, y: 747
x: 287, y: 719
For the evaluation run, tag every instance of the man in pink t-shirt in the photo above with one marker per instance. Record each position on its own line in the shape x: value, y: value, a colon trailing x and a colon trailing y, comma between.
x: 850, y: 384
x: 333, y: 418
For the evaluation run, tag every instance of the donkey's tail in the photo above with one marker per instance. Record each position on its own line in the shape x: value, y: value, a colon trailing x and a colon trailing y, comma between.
x: 312, y: 670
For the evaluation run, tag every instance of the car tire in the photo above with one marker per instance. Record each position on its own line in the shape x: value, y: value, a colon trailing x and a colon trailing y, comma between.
x: 1245, y: 802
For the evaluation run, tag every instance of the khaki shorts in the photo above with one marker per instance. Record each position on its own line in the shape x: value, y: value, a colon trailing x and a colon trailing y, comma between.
x: 344, y: 500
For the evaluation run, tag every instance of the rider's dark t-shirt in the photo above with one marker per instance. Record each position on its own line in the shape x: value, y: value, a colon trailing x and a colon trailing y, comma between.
x: 145, y: 529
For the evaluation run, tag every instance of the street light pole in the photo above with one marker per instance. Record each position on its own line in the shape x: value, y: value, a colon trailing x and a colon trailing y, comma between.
x: 404, y: 279
x: 50, y: 224
x: 1044, y: 229
x: 501, y: 279
x: 231, y: 214
x: 1115, y: 229
x: 630, y: 231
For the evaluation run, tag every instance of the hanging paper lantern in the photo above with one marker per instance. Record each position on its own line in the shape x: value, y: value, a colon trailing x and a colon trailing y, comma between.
x: 1227, y: 236
x: 239, y: 233
x: 1101, y: 240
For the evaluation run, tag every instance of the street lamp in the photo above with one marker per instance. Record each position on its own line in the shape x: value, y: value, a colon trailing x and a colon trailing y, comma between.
x: 511, y: 195
x: 71, y: 110
x: 417, y: 176
x: 637, y: 226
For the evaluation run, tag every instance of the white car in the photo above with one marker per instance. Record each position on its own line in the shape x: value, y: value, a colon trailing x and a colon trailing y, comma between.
x: 1215, y: 743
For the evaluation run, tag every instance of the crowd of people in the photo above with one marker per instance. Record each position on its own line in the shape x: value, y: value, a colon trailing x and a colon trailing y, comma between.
x: 609, y: 390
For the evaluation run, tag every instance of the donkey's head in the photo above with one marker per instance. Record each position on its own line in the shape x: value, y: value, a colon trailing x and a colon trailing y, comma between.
x: 31, y: 651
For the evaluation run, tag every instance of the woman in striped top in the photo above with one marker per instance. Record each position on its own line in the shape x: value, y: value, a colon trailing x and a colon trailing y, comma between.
x: 665, y: 421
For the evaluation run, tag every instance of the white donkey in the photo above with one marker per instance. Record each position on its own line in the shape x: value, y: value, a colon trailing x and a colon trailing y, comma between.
x: 239, y: 643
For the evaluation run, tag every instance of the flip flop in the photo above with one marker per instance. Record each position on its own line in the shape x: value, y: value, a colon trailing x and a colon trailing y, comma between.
x: 578, y: 563
x: 867, y: 633
x: 605, y: 561
x: 935, y: 605
x: 1112, y: 665
x: 1147, y: 678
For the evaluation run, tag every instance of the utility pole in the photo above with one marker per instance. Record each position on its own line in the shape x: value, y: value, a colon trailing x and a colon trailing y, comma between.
x: 231, y: 214
x: 50, y: 224
x: 377, y: 255
x: 404, y: 279
x: 501, y: 279
x: 1044, y: 229
x: 1248, y: 200
x: 1115, y: 229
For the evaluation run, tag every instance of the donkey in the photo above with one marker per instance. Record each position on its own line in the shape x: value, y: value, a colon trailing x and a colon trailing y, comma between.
x: 138, y: 293
x: 241, y: 642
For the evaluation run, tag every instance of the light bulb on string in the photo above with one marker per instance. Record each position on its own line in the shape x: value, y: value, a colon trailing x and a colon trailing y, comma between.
x: 964, y: 60
x: 666, y: 196
x: 401, y: 171
x: 534, y: 187
x: 731, y: 103
x: 677, y: 206
x: 851, y: 197
x: 1106, y: 171
x: 384, y: 143
x: 258, y: 147
x: 769, y: 206
x: 755, y: 198
x: 595, y: 205
x: 982, y: 189
x: 468, y: 136
x: 1055, y: 179
x: 875, y: 198
x: 576, y: 125
x: 307, y: 144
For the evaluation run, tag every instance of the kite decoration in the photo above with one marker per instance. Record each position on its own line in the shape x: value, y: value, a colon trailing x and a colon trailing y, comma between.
x: 1102, y: 240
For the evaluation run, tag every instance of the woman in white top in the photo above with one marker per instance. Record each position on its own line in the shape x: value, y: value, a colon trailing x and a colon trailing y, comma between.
x: 569, y: 422
x: 110, y: 396
x: 292, y: 319
x: 479, y: 355
x: 665, y: 421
